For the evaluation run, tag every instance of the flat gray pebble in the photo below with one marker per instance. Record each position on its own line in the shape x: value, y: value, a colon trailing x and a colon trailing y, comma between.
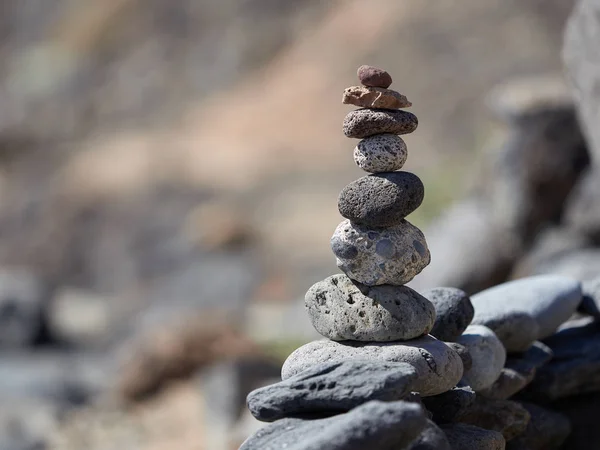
x: 342, y: 309
x: 381, y: 153
x: 454, y: 312
x: 468, y: 437
x: 488, y: 355
x: 366, y: 122
x: 508, y: 384
x: 516, y: 329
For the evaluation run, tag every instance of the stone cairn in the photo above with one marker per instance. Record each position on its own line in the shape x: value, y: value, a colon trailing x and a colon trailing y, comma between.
x: 403, y: 370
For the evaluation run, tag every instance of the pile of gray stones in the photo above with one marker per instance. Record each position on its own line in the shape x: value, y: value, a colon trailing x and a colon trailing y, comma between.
x: 401, y: 369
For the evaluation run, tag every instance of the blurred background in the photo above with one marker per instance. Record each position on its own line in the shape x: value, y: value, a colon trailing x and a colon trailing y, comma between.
x: 169, y: 172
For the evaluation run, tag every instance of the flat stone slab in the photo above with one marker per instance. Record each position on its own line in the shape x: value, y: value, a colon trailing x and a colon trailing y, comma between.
x: 439, y: 368
x: 454, y: 312
x: 332, y: 387
x: 487, y: 355
x: 374, y: 97
x: 380, y: 425
x: 366, y: 122
x: 342, y: 309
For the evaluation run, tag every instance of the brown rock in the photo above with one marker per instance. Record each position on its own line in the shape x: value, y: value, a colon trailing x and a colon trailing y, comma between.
x: 374, y: 77
x: 374, y: 97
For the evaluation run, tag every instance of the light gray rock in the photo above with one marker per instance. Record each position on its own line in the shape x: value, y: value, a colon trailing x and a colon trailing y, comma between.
x: 381, y: 153
x: 385, y: 426
x: 508, y: 384
x: 468, y: 437
x: 332, y: 387
x: 431, y: 438
x: 341, y: 309
x: 385, y: 256
x: 449, y: 406
x: 488, y: 356
x: 366, y: 122
x: 549, y: 299
x: 439, y: 368
x: 453, y: 310
x: 505, y: 416
x: 516, y: 329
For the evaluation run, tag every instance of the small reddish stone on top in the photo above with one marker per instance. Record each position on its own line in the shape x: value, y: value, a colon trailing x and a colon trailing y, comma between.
x: 373, y: 77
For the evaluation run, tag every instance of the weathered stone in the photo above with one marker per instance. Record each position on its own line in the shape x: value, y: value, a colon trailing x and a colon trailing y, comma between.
x: 450, y: 405
x: 439, y: 368
x: 342, y: 309
x: 391, y: 255
x: 381, y: 200
x: 366, y: 122
x: 385, y: 426
x: 546, y: 430
x: 374, y: 97
x: 372, y: 76
x: 431, y: 438
x: 504, y: 416
x: 468, y: 437
x: 381, y: 153
x: 488, y: 355
x: 454, y: 312
x: 332, y: 388
x: 508, y: 384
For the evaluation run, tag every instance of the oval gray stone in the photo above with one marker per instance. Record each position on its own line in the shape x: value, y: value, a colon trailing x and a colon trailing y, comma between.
x: 381, y: 200
x: 454, y: 312
x: 381, y: 425
x: 549, y: 299
x: 450, y: 405
x: 381, y: 153
x: 342, y: 309
x: 393, y: 255
x: 332, y: 387
x: 366, y: 122
x: 516, y: 330
x: 487, y: 354
x: 439, y: 368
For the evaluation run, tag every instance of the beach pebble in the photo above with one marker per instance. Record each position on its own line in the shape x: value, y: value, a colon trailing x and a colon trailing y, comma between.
x: 454, y: 312
x: 450, y: 405
x: 505, y: 416
x: 374, y: 97
x: 488, y: 355
x: 508, y: 384
x: 431, y: 438
x: 381, y: 153
x: 468, y: 437
x: 516, y: 329
x: 372, y: 76
x: 366, y: 122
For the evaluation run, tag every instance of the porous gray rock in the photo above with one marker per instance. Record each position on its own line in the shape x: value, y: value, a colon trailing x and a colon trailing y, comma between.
x: 431, y: 438
x: 505, y: 416
x: 374, y: 97
x: 439, y: 368
x: 487, y: 353
x: 366, y: 122
x: 381, y: 425
x: 508, y: 384
x: 546, y: 430
x: 391, y: 255
x: 454, y: 312
x: 332, y: 387
x: 450, y: 405
x: 590, y: 303
x: 381, y: 153
x: 549, y: 299
x: 342, y: 309
x: 516, y: 329
x: 468, y: 437
x: 381, y: 200
x: 373, y: 76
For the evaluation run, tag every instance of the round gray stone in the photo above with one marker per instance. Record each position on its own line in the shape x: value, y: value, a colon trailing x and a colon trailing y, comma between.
x: 516, y: 330
x: 439, y: 368
x: 381, y: 425
x: 332, y: 387
x: 488, y: 356
x: 381, y: 153
x: 468, y: 437
x: 393, y: 255
x: 454, y: 312
x: 366, y: 122
x: 381, y: 200
x: 549, y: 299
x: 431, y: 438
x: 342, y: 309
x: 450, y: 405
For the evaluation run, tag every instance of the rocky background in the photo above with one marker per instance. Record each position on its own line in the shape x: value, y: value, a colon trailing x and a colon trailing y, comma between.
x: 169, y: 171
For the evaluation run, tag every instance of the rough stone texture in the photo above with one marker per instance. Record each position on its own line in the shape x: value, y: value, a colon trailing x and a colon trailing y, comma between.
x: 431, y: 438
x: 575, y: 368
x: 381, y: 200
x: 546, y: 430
x: 464, y: 354
x: 342, y: 309
x: 385, y: 426
x: 386, y: 256
x: 516, y: 329
x: 468, y: 437
x: 549, y: 299
x: 504, y: 416
x: 381, y: 153
x: 582, y: 58
x: 372, y: 76
x: 438, y: 366
x: 374, y: 97
x: 591, y: 298
x: 332, y: 388
x: 582, y: 210
x: 454, y: 312
x: 508, y: 383
x: 488, y: 355
x: 581, y: 413
x: 366, y: 122
x: 450, y: 405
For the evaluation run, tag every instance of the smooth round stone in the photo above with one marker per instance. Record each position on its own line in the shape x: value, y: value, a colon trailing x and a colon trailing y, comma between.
x: 381, y: 200
x: 508, y: 384
x: 463, y: 352
x: 439, y: 368
x: 372, y: 76
x: 374, y: 97
x: 454, y: 312
x: 342, y: 309
x: 451, y: 405
x: 393, y: 255
x: 488, y: 356
x: 381, y: 153
x: 549, y: 299
x: 516, y: 330
x: 366, y: 122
